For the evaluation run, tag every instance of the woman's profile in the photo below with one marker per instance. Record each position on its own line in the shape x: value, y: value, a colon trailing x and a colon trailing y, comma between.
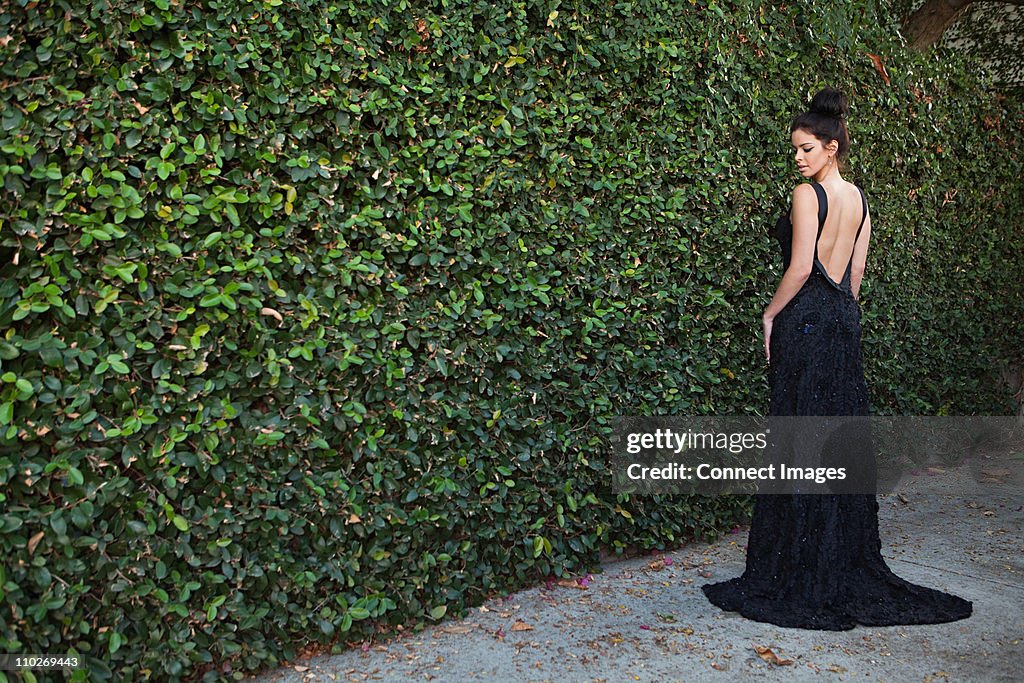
x: 814, y: 561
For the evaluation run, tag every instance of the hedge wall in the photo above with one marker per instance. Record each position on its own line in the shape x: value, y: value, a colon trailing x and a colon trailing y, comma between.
x: 314, y: 316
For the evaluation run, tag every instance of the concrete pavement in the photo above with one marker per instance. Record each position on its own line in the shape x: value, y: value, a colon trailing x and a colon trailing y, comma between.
x: 645, y: 619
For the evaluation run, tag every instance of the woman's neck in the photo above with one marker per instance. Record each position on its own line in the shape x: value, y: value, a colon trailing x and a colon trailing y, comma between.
x: 827, y: 173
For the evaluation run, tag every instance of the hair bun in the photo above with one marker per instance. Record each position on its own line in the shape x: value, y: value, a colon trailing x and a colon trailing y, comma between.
x: 830, y: 102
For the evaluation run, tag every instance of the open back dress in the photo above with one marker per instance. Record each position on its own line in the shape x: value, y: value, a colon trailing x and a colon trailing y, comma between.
x: 814, y: 561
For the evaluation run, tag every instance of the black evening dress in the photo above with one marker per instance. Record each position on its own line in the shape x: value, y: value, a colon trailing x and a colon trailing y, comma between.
x: 814, y: 561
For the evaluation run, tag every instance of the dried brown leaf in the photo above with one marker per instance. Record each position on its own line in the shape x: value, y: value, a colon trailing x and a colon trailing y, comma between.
x: 767, y: 655
x: 34, y: 541
x: 271, y: 312
x: 996, y: 472
x: 880, y: 67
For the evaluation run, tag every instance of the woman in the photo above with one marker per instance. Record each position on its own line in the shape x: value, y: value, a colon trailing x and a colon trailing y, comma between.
x: 814, y: 561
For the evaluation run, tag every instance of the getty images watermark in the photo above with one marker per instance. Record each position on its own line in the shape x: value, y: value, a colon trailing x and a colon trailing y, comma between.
x: 815, y: 455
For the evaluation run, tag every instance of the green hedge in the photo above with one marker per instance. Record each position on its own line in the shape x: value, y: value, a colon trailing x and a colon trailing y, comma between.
x: 315, y: 316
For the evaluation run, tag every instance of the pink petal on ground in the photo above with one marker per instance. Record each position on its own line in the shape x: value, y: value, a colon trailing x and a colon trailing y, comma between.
x: 668, y: 561
x: 645, y: 627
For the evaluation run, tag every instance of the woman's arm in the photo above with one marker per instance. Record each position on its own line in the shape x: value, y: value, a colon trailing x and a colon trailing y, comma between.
x: 860, y: 256
x: 805, y: 233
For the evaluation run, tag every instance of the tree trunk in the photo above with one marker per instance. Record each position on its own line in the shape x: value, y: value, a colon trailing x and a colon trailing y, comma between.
x: 925, y: 26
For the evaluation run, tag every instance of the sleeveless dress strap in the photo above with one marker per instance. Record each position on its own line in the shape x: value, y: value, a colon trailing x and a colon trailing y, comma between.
x: 822, y: 205
x: 863, y: 215
x: 822, y: 212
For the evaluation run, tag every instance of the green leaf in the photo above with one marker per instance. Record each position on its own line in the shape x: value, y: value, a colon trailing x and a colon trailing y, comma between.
x: 75, y: 477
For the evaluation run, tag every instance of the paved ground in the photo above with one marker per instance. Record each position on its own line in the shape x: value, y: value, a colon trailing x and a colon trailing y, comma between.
x: 646, y: 619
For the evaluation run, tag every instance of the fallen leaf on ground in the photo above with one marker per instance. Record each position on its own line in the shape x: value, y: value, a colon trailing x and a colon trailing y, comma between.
x: 767, y: 655
x: 996, y: 472
x: 521, y: 625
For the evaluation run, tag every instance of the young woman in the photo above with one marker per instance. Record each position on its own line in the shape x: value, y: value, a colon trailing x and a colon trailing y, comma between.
x: 814, y: 561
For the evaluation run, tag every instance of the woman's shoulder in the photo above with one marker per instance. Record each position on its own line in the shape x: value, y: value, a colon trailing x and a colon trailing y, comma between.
x: 836, y: 189
x: 805, y: 195
x: 859, y: 191
x: 804, y: 191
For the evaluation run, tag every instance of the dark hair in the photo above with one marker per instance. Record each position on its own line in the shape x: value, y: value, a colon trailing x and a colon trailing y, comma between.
x: 825, y: 119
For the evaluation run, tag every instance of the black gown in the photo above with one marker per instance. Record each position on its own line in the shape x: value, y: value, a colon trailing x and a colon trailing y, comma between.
x: 814, y: 561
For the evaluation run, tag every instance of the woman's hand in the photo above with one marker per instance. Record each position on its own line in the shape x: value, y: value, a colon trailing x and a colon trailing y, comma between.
x: 766, y: 324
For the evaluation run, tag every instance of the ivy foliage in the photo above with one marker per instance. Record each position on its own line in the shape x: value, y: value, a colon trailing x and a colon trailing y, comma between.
x: 314, y: 316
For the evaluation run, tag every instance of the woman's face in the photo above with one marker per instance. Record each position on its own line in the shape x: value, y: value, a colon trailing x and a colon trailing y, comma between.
x: 811, y: 155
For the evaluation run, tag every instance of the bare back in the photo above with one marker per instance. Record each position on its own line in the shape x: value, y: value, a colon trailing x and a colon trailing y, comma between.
x: 842, y: 240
